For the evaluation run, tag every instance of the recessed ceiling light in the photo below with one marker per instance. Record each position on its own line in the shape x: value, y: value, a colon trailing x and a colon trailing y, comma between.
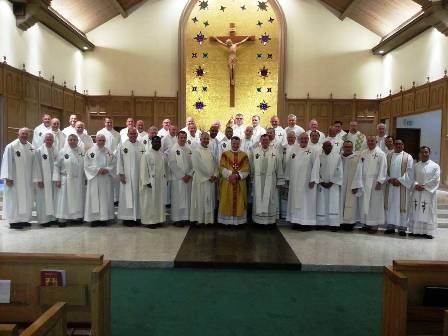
x: 381, y: 52
x: 85, y: 48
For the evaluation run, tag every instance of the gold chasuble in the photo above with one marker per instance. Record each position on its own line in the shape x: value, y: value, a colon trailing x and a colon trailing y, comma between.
x: 232, y: 197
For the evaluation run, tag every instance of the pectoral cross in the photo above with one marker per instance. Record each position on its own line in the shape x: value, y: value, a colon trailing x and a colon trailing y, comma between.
x: 424, y: 206
x: 142, y: 151
x: 375, y: 156
x: 232, y: 41
x: 81, y: 154
x: 308, y: 152
x: 415, y: 204
x: 32, y: 149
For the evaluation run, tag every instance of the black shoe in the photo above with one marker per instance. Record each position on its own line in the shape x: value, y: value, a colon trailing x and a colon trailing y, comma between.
x: 151, y: 226
x: 305, y: 228
x: 103, y: 223
x: 347, y: 227
x: 427, y: 236
x: 94, y: 224
x: 296, y: 226
x: 26, y: 224
x: 372, y: 231
x: 334, y: 229
x: 389, y: 231
x: 62, y: 224
x: 16, y: 226
x: 402, y: 233
x: 179, y: 224
x: 46, y: 224
x: 128, y: 223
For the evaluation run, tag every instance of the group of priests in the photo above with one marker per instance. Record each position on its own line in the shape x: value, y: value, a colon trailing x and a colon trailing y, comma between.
x: 247, y: 174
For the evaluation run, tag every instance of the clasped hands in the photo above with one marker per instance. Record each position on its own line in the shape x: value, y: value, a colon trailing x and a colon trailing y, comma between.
x: 419, y: 187
x: 394, y: 182
x: 234, y: 178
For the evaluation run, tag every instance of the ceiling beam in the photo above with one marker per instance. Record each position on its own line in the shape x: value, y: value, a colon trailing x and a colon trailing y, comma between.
x: 119, y: 8
x: 351, y: 6
x: 32, y: 11
x: 434, y: 15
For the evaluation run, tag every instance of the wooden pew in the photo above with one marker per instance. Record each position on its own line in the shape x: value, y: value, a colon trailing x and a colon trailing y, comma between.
x: 403, y: 291
x: 87, y: 292
x: 53, y: 322
x: 8, y: 329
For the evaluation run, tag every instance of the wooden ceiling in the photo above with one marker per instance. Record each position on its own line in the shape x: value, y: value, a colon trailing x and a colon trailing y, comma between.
x: 380, y: 16
x: 89, y: 14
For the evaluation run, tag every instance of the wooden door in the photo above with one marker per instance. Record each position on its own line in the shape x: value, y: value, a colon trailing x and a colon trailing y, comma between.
x: 411, y: 139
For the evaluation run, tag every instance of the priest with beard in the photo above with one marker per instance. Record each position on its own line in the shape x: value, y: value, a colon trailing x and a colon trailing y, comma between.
x: 69, y: 177
x: 129, y: 154
x: 99, y: 166
x: 153, y: 186
x: 43, y: 167
x: 16, y: 170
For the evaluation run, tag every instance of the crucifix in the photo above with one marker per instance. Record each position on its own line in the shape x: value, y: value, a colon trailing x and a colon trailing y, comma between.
x: 232, y: 41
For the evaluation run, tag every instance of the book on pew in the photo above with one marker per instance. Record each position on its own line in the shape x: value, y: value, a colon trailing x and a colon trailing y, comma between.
x: 5, y: 291
x: 52, y: 278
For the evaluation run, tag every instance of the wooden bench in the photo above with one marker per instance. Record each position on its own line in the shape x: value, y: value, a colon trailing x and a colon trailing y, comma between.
x: 8, y: 329
x: 403, y: 291
x: 53, y: 322
x: 86, y: 294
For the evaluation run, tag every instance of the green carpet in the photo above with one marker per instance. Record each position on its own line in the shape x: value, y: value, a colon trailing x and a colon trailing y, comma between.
x: 182, y: 302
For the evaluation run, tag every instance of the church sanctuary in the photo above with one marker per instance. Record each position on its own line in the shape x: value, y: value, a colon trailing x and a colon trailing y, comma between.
x: 223, y: 167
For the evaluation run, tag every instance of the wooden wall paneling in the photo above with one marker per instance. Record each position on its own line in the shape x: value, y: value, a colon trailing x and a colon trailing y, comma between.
x: 384, y: 109
x: 31, y: 100
x: 57, y: 96
x: 165, y: 108
x: 13, y: 82
x: 437, y: 95
x: 422, y: 99
x: 409, y: 102
x: 45, y: 93
x: 396, y: 106
x: 54, y: 112
x: 444, y: 138
x: 1, y: 78
x: 69, y: 105
x: 299, y: 109
x: 366, y: 113
x: 14, y: 117
x: 145, y: 110
x: 120, y: 106
x: 80, y: 107
x: 343, y: 111
x: 321, y: 111
x: 97, y: 109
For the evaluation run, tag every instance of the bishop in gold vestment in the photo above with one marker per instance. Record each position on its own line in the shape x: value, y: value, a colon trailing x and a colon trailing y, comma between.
x: 234, y: 168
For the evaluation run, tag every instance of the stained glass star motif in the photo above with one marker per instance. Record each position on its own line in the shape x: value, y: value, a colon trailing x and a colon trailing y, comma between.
x: 200, y: 38
x: 269, y: 56
x: 222, y: 8
x: 264, y: 72
x: 204, y: 55
x: 258, y: 89
x: 199, y: 105
x: 259, y: 56
x: 243, y: 7
x: 199, y: 71
x: 264, y: 39
x: 206, y: 24
x: 203, y: 4
x: 194, y: 88
x: 263, y: 106
x: 271, y: 20
x: 262, y: 5
x: 259, y: 24
x: 195, y: 19
x: 204, y: 88
x: 269, y: 90
x: 194, y: 55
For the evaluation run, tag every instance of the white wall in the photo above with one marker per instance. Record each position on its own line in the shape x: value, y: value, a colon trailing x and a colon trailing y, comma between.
x: 324, y: 54
x: 425, y: 55
x: 429, y: 124
x: 40, y: 49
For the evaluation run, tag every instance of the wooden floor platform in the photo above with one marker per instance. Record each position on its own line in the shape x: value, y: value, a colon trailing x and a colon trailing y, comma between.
x: 233, y: 247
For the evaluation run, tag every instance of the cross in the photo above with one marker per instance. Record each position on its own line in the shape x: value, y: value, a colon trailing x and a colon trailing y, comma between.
x: 308, y: 152
x: 232, y: 59
x: 81, y: 154
x: 142, y: 151
x: 415, y: 204
x: 424, y: 206
x: 375, y: 156
x: 31, y: 149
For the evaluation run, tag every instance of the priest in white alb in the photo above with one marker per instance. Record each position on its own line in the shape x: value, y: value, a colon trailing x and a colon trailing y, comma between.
x: 257, y: 131
x: 59, y: 138
x: 153, y: 186
x: 374, y: 174
x: 85, y: 140
x: 99, y: 166
x: 17, y: 171
x: 329, y: 188
x: 225, y: 144
x: 267, y: 175
x: 423, y: 207
x: 40, y: 130
x: 129, y: 154
x: 399, y: 184
x: 303, y: 167
x: 43, y: 167
x: 112, y: 136
x: 351, y: 189
x: 203, y: 189
x: 69, y: 178
x: 181, y: 174
x: 165, y: 130
x: 283, y: 190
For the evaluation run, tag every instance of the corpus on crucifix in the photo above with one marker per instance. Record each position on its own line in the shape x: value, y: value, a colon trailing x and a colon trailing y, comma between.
x: 232, y: 41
